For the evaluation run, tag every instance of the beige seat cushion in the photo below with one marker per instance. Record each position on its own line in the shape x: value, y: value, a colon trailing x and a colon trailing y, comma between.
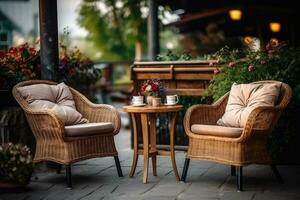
x: 89, y: 129
x: 215, y: 130
x: 56, y: 98
x: 244, y: 98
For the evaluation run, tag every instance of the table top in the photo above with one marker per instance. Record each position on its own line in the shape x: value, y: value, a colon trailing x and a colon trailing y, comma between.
x: 152, y: 109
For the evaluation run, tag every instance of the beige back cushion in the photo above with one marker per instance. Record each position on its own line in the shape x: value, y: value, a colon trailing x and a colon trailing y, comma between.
x: 56, y: 98
x: 244, y: 98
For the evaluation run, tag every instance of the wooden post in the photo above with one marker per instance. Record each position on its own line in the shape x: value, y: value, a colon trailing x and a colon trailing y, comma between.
x: 153, y: 30
x: 48, y: 39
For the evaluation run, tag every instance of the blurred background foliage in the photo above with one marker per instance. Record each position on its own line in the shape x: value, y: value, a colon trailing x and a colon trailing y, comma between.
x: 118, y: 29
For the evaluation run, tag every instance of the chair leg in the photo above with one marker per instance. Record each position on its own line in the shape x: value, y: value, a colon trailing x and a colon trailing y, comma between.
x: 119, y: 169
x: 239, y: 178
x: 276, y: 173
x: 233, y: 170
x: 69, y: 176
x: 58, y: 168
x: 185, y: 169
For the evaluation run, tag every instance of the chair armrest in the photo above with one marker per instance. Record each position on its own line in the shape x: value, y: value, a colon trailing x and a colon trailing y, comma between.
x: 103, y: 113
x: 97, y: 112
x: 44, y: 124
x: 261, y: 120
x: 204, y: 114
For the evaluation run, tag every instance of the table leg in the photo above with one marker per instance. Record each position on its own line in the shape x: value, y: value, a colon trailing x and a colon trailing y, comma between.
x: 146, y: 145
x: 172, y: 132
x: 153, y: 142
x: 135, y: 145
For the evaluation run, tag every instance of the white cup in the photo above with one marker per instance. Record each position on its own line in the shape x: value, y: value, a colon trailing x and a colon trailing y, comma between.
x: 137, y: 100
x: 172, y: 99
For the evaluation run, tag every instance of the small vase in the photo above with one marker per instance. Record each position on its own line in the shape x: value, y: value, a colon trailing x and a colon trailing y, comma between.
x: 149, y: 100
x: 156, y: 101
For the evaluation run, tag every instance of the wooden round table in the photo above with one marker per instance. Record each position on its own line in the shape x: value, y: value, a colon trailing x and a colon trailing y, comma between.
x: 152, y: 152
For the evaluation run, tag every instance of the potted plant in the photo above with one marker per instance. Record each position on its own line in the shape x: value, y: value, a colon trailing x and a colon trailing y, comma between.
x: 16, y: 165
x: 76, y: 69
x: 23, y: 63
x: 17, y: 64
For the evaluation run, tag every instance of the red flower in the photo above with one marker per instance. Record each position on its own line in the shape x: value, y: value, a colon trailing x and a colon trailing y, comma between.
x: 13, y: 50
x: 64, y: 60
x: 2, y: 54
x: 231, y: 64
x: 151, y: 88
x: 81, y: 66
x: 217, y: 71
x: 272, y: 45
x: 251, y: 68
x: 32, y: 50
x: 263, y: 62
x: 154, y: 87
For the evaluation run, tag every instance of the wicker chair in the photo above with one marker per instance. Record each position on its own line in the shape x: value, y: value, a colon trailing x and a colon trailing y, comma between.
x: 52, y: 144
x: 248, y: 148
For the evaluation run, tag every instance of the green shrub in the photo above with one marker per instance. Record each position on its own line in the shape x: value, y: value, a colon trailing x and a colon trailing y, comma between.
x: 16, y: 164
x: 274, y: 62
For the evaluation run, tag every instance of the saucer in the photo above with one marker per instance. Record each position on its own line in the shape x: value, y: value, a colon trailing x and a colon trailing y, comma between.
x: 138, y: 104
x: 170, y: 104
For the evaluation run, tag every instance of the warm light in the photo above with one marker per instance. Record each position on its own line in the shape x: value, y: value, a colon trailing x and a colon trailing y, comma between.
x: 274, y: 42
x: 235, y: 14
x: 275, y: 26
x: 248, y: 40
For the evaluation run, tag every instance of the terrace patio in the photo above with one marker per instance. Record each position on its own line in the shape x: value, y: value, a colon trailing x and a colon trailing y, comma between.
x: 97, y: 179
x: 188, y: 76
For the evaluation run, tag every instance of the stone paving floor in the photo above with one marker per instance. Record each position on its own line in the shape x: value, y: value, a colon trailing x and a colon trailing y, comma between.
x: 97, y: 179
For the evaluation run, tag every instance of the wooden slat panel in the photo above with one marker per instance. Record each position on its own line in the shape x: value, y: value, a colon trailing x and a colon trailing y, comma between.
x: 151, y: 69
x: 162, y: 76
x: 194, y: 69
x: 193, y: 76
x: 188, y: 84
x: 170, y: 84
x: 186, y: 92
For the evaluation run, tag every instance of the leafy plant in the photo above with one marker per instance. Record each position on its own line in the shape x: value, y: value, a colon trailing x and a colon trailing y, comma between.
x: 76, y: 69
x: 276, y: 62
x: 23, y: 63
x: 18, y: 64
x: 16, y: 164
x: 170, y: 55
x: 115, y: 27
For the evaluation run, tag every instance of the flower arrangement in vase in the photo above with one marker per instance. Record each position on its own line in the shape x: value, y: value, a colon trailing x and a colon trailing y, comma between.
x: 16, y: 165
x: 152, y: 89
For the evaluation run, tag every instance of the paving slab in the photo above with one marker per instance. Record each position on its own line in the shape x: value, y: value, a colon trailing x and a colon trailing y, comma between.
x: 97, y: 179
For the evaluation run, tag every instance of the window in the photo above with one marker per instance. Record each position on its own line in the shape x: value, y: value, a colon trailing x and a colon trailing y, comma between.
x: 3, y: 37
x: 3, y: 47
